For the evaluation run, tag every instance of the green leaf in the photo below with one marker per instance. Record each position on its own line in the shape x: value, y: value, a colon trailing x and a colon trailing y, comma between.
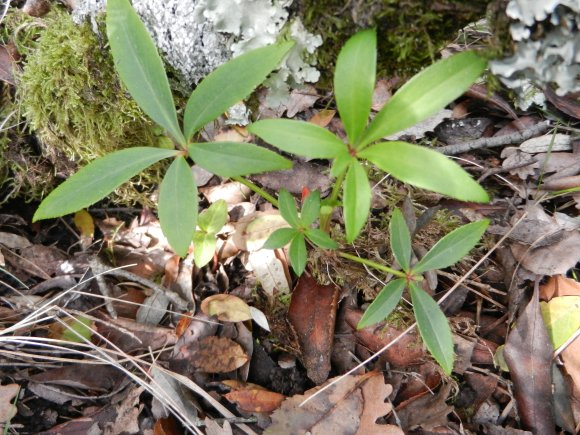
x: 178, y: 206
x: 425, y: 168
x: 354, y: 82
x: 310, y: 209
x: 298, y: 137
x: 452, y: 248
x: 140, y: 67
x: 384, y: 303
x: 280, y: 238
x: 433, y: 327
x: 204, y: 245
x: 212, y: 219
x: 77, y: 330
x: 341, y: 163
x: 356, y: 200
x: 231, y: 82
x: 287, y: 208
x: 425, y: 94
x: 297, y: 254
x: 321, y: 239
x: 400, y: 239
x: 562, y: 318
x: 230, y: 159
x: 98, y: 179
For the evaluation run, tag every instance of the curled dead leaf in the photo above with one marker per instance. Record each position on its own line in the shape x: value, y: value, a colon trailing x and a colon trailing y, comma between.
x: 227, y: 308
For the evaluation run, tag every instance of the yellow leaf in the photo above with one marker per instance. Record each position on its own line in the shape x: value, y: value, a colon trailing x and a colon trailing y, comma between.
x: 84, y: 223
x: 227, y: 308
x: 562, y: 318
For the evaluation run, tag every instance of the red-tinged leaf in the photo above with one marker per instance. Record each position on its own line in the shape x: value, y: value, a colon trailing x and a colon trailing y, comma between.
x: 312, y: 313
x: 528, y: 353
x: 256, y: 400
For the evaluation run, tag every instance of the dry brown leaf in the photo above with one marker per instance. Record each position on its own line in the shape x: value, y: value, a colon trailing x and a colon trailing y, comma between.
x: 127, y: 414
x: 7, y: 394
x: 337, y: 410
x: 374, y: 394
x: 255, y: 400
x: 227, y: 308
x: 425, y: 411
x: 557, y: 286
x: 8, y: 55
x: 302, y: 174
x: 323, y: 118
x: 301, y: 99
x: 167, y: 426
x: 213, y: 354
x: 312, y: 313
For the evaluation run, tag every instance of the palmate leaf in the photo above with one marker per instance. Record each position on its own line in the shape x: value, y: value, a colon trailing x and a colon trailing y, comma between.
x: 384, y: 303
x: 356, y: 200
x: 453, y: 247
x: 354, y: 81
x: 231, y: 82
x: 298, y: 254
x: 433, y: 327
x: 98, y: 179
x: 178, y: 206
x: 400, y: 239
x: 425, y: 94
x: 140, y: 67
x: 298, y: 137
x: 231, y: 159
x: 425, y: 168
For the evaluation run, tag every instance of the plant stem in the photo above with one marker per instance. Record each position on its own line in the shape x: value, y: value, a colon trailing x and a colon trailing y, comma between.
x: 372, y: 264
x: 257, y: 190
x: 325, y: 217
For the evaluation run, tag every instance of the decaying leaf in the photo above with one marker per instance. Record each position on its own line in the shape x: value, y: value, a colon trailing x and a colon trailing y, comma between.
x: 227, y: 308
x: 425, y: 411
x: 340, y: 409
x: 213, y: 354
x: 255, y: 399
x: 558, y: 286
x: 7, y: 395
x: 562, y: 318
x: 312, y: 313
x: 528, y: 353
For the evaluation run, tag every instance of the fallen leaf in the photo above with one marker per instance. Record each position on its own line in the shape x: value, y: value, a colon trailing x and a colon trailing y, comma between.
x: 565, y: 103
x: 382, y: 93
x: 14, y: 241
x: 302, y: 174
x: 426, y: 411
x: 84, y: 223
x: 227, y: 308
x: 127, y: 420
x: 153, y: 309
x: 557, y: 286
x: 300, y: 100
x: 312, y: 313
x: 528, y: 353
x: 255, y: 400
x: 212, y: 427
x: 562, y: 318
x: 7, y: 395
x: 213, y: 354
x: 270, y: 271
x: 337, y: 410
x: 323, y: 118
x: 547, y: 143
x: 232, y: 193
x: 8, y: 55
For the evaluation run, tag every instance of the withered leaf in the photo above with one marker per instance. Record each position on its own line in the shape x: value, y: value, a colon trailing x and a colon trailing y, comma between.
x: 340, y: 409
x: 227, y: 308
x: 214, y: 354
x: 255, y: 400
x: 7, y: 394
x: 528, y: 353
x: 312, y: 313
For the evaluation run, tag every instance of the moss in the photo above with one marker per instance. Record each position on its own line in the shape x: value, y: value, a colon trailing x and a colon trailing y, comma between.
x: 72, y: 99
x: 410, y: 32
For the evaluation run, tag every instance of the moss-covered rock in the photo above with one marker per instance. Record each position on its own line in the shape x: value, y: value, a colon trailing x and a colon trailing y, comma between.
x: 71, y: 98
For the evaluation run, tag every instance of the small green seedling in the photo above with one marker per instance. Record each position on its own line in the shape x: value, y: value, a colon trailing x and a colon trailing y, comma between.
x: 300, y: 229
x: 431, y: 321
x: 209, y: 222
x: 141, y: 71
x: 421, y: 97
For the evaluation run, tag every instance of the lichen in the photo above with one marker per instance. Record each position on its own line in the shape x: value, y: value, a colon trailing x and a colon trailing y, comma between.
x: 72, y: 99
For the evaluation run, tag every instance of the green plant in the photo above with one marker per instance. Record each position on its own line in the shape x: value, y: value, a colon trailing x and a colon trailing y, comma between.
x: 300, y: 229
x: 141, y: 71
x: 210, y: 221
x: 420, y: 97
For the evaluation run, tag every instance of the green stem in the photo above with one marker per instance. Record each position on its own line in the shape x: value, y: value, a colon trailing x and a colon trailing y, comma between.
x: 372, y: 264
x: 326, y: 217
x: 257, y: 190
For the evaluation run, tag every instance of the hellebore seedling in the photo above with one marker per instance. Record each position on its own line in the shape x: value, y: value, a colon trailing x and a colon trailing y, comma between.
x: 431, y: 321
x: 422, y: 96
x: 141, y: 71
x: 210, y: 222
x: 300, y: 229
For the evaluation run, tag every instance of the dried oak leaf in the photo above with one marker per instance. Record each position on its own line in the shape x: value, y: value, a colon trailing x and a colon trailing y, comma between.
x: 7, y: 394
x: 350, y: 406
x: 214, y: 354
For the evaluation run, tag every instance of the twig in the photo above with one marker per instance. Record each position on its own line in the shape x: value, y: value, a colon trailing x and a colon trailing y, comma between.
x: 496, y: 141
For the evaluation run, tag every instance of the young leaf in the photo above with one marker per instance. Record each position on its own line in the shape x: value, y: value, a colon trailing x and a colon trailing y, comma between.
x: 140, y: 67
x: 354, y: 81
x: 287, y: 208
x: 280, y: 238
x: 425, y: 94
x: 214, y: 217
x: 356, y: 200
x: 298, y: 137
x: 321, y: 239
x: 400, y: 239
x: 231, y: 82
x: 204, y: 245
x: 384, y: 303
x: 433, y: 327
x: 425, y: 168
x: 310, y: 209
x: 178, y: 206
x: 230, y: 159
x: 97, y: 179
x: 297, y: 254
x: 342, y: 161
x: 453, y: 247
